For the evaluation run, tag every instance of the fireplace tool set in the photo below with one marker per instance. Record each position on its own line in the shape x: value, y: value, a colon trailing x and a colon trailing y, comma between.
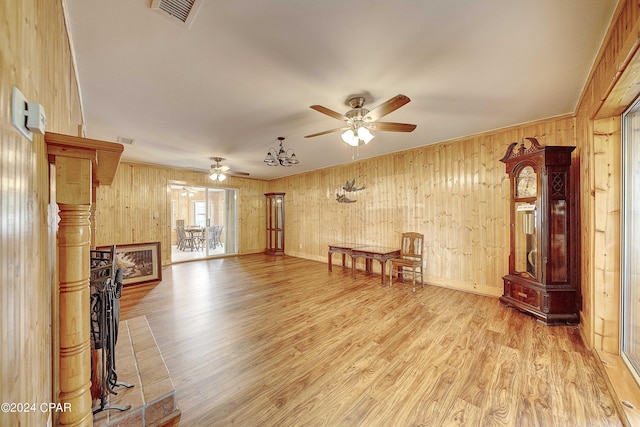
x: 106, y: 289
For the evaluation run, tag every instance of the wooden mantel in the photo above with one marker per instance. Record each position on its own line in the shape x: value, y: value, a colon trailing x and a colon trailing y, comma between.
x: 81, y: 165
x: 104, y: 156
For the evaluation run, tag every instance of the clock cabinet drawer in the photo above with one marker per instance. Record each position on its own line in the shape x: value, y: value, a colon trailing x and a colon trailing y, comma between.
x: 524, y: 294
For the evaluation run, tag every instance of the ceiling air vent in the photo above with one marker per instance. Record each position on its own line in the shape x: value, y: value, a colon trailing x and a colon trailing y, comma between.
x: 123, y: 140
x: 183, y: 10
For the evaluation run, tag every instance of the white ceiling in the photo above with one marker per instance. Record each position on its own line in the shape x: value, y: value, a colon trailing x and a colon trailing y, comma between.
x: 246, y: 72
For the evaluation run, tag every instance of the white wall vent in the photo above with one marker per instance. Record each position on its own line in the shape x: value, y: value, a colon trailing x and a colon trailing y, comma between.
x: 184, y: 11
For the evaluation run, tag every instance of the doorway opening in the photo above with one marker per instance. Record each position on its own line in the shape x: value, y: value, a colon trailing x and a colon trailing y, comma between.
x: 203, y: 222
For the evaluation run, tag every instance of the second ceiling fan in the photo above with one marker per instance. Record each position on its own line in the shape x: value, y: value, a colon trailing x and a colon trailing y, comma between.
x: 359, y: 121
x: 219, y: 172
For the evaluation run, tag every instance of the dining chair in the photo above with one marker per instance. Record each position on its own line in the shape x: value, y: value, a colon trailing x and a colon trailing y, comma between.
x: 184, y: 240
x: 217, y: 236
x: 197, y: 234
x: 211, y: 236
x: 181, y: 235
x: 411, y: 258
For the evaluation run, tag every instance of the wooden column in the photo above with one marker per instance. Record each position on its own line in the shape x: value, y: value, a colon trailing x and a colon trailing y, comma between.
x: 81, y: 165
x: 73, y: 195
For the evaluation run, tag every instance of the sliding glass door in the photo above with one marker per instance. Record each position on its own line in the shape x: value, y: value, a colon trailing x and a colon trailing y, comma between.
x: 631, y: 239
x: 203, y: 222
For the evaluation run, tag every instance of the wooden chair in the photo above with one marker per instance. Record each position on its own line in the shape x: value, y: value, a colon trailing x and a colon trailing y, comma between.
x: 411, y: 257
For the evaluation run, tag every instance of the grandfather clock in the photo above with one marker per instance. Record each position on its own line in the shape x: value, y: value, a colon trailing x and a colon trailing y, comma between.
x: 275, y: 223
x: 543, y: 271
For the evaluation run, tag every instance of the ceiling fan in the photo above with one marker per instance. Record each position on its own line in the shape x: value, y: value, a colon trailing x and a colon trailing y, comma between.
x: 189, y: 191
x: 359, y: 122
x: 219, y: 172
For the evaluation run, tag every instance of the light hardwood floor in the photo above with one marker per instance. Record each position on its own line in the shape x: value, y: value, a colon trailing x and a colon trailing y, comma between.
x: 258, y: 340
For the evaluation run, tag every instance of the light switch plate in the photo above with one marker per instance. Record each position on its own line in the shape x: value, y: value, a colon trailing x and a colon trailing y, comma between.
x: 19, y: 113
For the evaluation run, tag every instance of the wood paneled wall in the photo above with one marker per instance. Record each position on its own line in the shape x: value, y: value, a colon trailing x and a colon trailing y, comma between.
x: 613, y: 84
x: 606, y: 260
x: 455, y: 192
x: 611, y: 88
x: 35, y: 57
x: 125, y: 210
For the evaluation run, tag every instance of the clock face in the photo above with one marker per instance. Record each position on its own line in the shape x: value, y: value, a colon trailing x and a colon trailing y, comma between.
x: 527, y: 183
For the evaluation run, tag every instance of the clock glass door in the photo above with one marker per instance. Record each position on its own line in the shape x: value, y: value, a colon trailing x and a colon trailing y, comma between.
x: 558, y: 223
x: 527, y: 239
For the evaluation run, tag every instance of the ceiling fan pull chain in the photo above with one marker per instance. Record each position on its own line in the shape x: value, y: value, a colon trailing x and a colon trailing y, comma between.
x: 355, y: 152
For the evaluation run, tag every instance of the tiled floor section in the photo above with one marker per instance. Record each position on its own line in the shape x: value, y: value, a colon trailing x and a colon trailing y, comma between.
x: 139, y: 362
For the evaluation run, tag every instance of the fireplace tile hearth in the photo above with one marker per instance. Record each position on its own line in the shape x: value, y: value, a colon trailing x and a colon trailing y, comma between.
x: 139, y: 362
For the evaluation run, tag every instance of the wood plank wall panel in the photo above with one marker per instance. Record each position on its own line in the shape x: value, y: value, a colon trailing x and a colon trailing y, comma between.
x: 606, y: 291
x: 612, y: 86
x: 455, y: 192
x: 125, y: 209
x: 584, y: 134
x: 35, y: 57
x: 621, y: 41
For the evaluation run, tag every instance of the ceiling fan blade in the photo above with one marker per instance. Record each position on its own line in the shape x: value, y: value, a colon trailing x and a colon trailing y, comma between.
x: 325, y: 132
x: 329, y: 112
x: 393, y: 127
x: 223, y: 168
x: 238, y: 173
x: 388, y: 107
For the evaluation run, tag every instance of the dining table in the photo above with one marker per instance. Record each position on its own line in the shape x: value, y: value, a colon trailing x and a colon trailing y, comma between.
x: 340, y: 248
x: 196, y: 235
x: 382, y: 254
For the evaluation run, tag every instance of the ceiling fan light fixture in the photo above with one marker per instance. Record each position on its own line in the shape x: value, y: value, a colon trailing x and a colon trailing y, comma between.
x: 350, y: 137
x: 217, y: 176
x: 187, y: 192
x: 220, y: 172
x: 365, y: 134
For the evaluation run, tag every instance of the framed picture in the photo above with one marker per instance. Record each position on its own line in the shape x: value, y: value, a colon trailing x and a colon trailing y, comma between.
x: 140, y: 262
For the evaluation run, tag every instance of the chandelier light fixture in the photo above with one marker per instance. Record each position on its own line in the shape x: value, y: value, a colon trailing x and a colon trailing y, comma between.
x: 281, y: 157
